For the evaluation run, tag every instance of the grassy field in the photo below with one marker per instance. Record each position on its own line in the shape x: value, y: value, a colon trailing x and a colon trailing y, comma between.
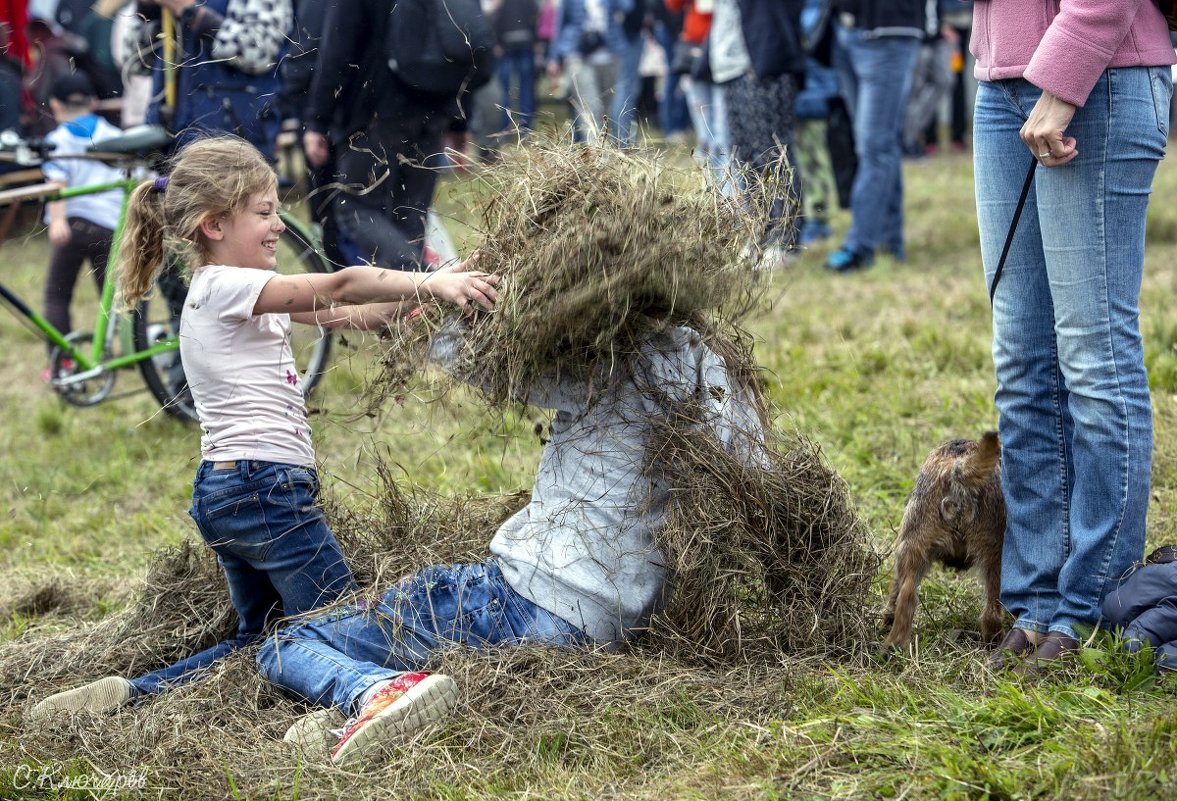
x: 877, y: 368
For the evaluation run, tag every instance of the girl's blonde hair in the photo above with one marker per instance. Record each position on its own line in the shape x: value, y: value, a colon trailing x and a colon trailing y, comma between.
x: 210, y: 177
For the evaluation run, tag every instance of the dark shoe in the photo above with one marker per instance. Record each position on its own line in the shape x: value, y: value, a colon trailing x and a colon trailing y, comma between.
x: 1055, y: 646
x: 1054, y: 653
x: 843, y: 260
x: 1012, y: 651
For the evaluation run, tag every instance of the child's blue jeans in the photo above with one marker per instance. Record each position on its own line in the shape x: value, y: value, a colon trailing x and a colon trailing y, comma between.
x: 272, y: 542
x: 332, y: 659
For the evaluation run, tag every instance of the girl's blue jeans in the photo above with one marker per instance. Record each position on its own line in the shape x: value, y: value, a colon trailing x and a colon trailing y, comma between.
x: 1072, y: 391
x: 331, y: 659
x: 274, y: 546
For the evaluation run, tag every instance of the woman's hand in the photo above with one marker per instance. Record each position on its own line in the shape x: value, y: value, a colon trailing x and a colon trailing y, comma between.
x: 1044, y: 131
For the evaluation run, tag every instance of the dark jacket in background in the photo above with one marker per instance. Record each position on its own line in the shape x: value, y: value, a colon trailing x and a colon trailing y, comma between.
x: 772, y: 35
x: 514, y: 24
x: 352, y: 76
x: 879, y: 15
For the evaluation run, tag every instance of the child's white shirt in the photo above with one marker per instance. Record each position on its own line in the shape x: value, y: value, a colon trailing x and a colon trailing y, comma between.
x: 73, y: 138
x: 241, y: 371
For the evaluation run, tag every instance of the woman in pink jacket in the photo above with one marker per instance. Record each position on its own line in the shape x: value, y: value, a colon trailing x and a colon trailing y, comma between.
x: 1082, y: 88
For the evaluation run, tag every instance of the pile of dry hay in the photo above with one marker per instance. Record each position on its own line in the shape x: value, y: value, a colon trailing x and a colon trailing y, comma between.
x: 770, y: 564
x: 594, y: 246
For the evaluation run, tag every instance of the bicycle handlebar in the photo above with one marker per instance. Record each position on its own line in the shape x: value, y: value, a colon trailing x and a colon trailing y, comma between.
x: 141, y: 142
x: 28, y: 152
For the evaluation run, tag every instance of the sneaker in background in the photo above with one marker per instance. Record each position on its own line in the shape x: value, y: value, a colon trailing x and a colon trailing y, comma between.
x: 813, y: 232
x: 844, y: 260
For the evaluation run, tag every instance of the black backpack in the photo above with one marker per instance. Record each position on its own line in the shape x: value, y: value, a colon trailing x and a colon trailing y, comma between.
x: 439, y: 48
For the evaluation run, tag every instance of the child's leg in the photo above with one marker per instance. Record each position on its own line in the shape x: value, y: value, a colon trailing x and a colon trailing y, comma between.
x: 333, y: 659
x: 272, y: 539
x: 65, y: 261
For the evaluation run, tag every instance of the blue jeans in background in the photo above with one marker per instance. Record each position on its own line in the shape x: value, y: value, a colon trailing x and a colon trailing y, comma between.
x: 673, y: 116
x: 708, y: 109
x: 518, y: 66
x: 875, y: 77
x: 274, y: 546
x: 1072, y: 392
x: 623, y: 110
x: 331, y: 660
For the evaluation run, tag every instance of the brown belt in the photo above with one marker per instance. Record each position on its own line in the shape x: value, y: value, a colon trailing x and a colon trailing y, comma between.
x: 224, y: 465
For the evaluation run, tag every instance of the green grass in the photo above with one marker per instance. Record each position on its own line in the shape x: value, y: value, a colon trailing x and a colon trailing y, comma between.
x: 877, y: 368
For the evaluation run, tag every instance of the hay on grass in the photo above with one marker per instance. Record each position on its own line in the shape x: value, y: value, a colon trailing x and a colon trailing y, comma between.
x: 769, y: 563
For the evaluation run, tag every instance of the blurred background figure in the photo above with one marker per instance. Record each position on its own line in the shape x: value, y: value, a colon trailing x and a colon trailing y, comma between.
x: 14, y: 101
x: 588, y: 49
x: 673, y: 117
x: 632, y: 22
x: 957, y: 16
x: 224, y: 76
x: 756, y: 49
x: 931, y: 85
x: 516, y: 32
x: 80, y: 228
x: 692, y: 62
x: 878, y: 44
x: 812, y: 111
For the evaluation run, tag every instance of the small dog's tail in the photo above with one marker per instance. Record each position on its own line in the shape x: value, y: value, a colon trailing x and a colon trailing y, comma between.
x: 980, y: 465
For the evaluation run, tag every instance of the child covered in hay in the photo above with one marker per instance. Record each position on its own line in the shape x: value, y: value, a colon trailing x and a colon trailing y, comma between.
x: 627, y: 348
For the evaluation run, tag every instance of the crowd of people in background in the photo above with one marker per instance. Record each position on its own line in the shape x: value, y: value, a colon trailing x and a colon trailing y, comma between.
x: 749, y: 83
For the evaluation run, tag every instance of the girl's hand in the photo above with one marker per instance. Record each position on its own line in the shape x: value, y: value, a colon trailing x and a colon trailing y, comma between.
x: 1043, y: 131
x: 462, y: 288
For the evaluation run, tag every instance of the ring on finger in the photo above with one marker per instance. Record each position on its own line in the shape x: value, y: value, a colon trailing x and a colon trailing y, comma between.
x: 1046, y: 155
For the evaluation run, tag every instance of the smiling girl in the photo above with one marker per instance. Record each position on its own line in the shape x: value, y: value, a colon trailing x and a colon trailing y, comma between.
x: 254, y: 496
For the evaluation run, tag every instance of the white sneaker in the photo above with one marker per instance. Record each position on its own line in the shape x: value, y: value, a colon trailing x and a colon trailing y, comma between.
x: 316, y: 733
x: 407, y: 704
x: 97, y: 697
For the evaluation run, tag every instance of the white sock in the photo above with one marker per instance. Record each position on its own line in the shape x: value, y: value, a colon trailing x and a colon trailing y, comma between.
x: 370, y: 693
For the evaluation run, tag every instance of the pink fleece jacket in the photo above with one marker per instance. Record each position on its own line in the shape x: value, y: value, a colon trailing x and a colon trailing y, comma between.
x: 1063, y: 46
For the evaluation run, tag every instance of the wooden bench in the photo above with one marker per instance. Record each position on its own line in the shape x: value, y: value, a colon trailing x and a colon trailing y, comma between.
x: 18, y: 187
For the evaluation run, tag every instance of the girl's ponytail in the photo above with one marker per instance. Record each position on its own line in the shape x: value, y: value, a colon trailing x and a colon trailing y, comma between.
x: 141, y: 251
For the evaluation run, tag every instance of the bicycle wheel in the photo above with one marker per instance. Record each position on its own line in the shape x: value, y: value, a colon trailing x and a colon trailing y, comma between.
x: 157, y: 319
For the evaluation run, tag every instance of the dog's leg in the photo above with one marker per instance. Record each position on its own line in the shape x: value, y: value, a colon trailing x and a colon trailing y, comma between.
x: 992, y: 616
x: 911, y: 565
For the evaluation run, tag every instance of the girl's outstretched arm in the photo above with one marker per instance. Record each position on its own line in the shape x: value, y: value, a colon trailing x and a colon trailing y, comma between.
x: 317, y: 297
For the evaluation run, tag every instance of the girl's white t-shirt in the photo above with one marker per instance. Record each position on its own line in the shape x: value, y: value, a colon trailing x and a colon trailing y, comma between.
x: 240, y: 369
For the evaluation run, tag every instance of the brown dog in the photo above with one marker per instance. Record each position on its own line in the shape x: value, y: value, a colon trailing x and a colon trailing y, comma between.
x: 956, y: 516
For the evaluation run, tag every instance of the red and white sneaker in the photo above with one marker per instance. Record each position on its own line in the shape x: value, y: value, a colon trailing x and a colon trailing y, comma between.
x: 407, y: 704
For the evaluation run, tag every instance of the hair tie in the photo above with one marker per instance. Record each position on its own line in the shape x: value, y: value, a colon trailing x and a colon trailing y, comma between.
x: 159, y: 184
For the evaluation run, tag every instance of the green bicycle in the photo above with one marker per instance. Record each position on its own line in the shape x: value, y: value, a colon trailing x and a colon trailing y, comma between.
x: 85, y: 364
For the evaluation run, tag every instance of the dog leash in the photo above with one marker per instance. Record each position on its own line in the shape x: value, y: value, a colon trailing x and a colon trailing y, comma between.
x: 1013, y: 227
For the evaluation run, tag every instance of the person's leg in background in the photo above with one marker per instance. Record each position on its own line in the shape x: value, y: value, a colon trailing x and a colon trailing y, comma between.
x: 585, y: 96
x: 817, y: 176
x: 877, y: 74
x: 86, y: 241
x: 626, y: 89
x: 388, y: 185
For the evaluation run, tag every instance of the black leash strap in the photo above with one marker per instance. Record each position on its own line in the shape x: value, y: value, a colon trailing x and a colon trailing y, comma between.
x: 1013, y: 227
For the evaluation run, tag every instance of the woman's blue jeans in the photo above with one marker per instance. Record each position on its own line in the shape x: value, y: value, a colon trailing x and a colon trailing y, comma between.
x: 331, y: 659
x: 1072, y: 391
x: 274, y: 546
